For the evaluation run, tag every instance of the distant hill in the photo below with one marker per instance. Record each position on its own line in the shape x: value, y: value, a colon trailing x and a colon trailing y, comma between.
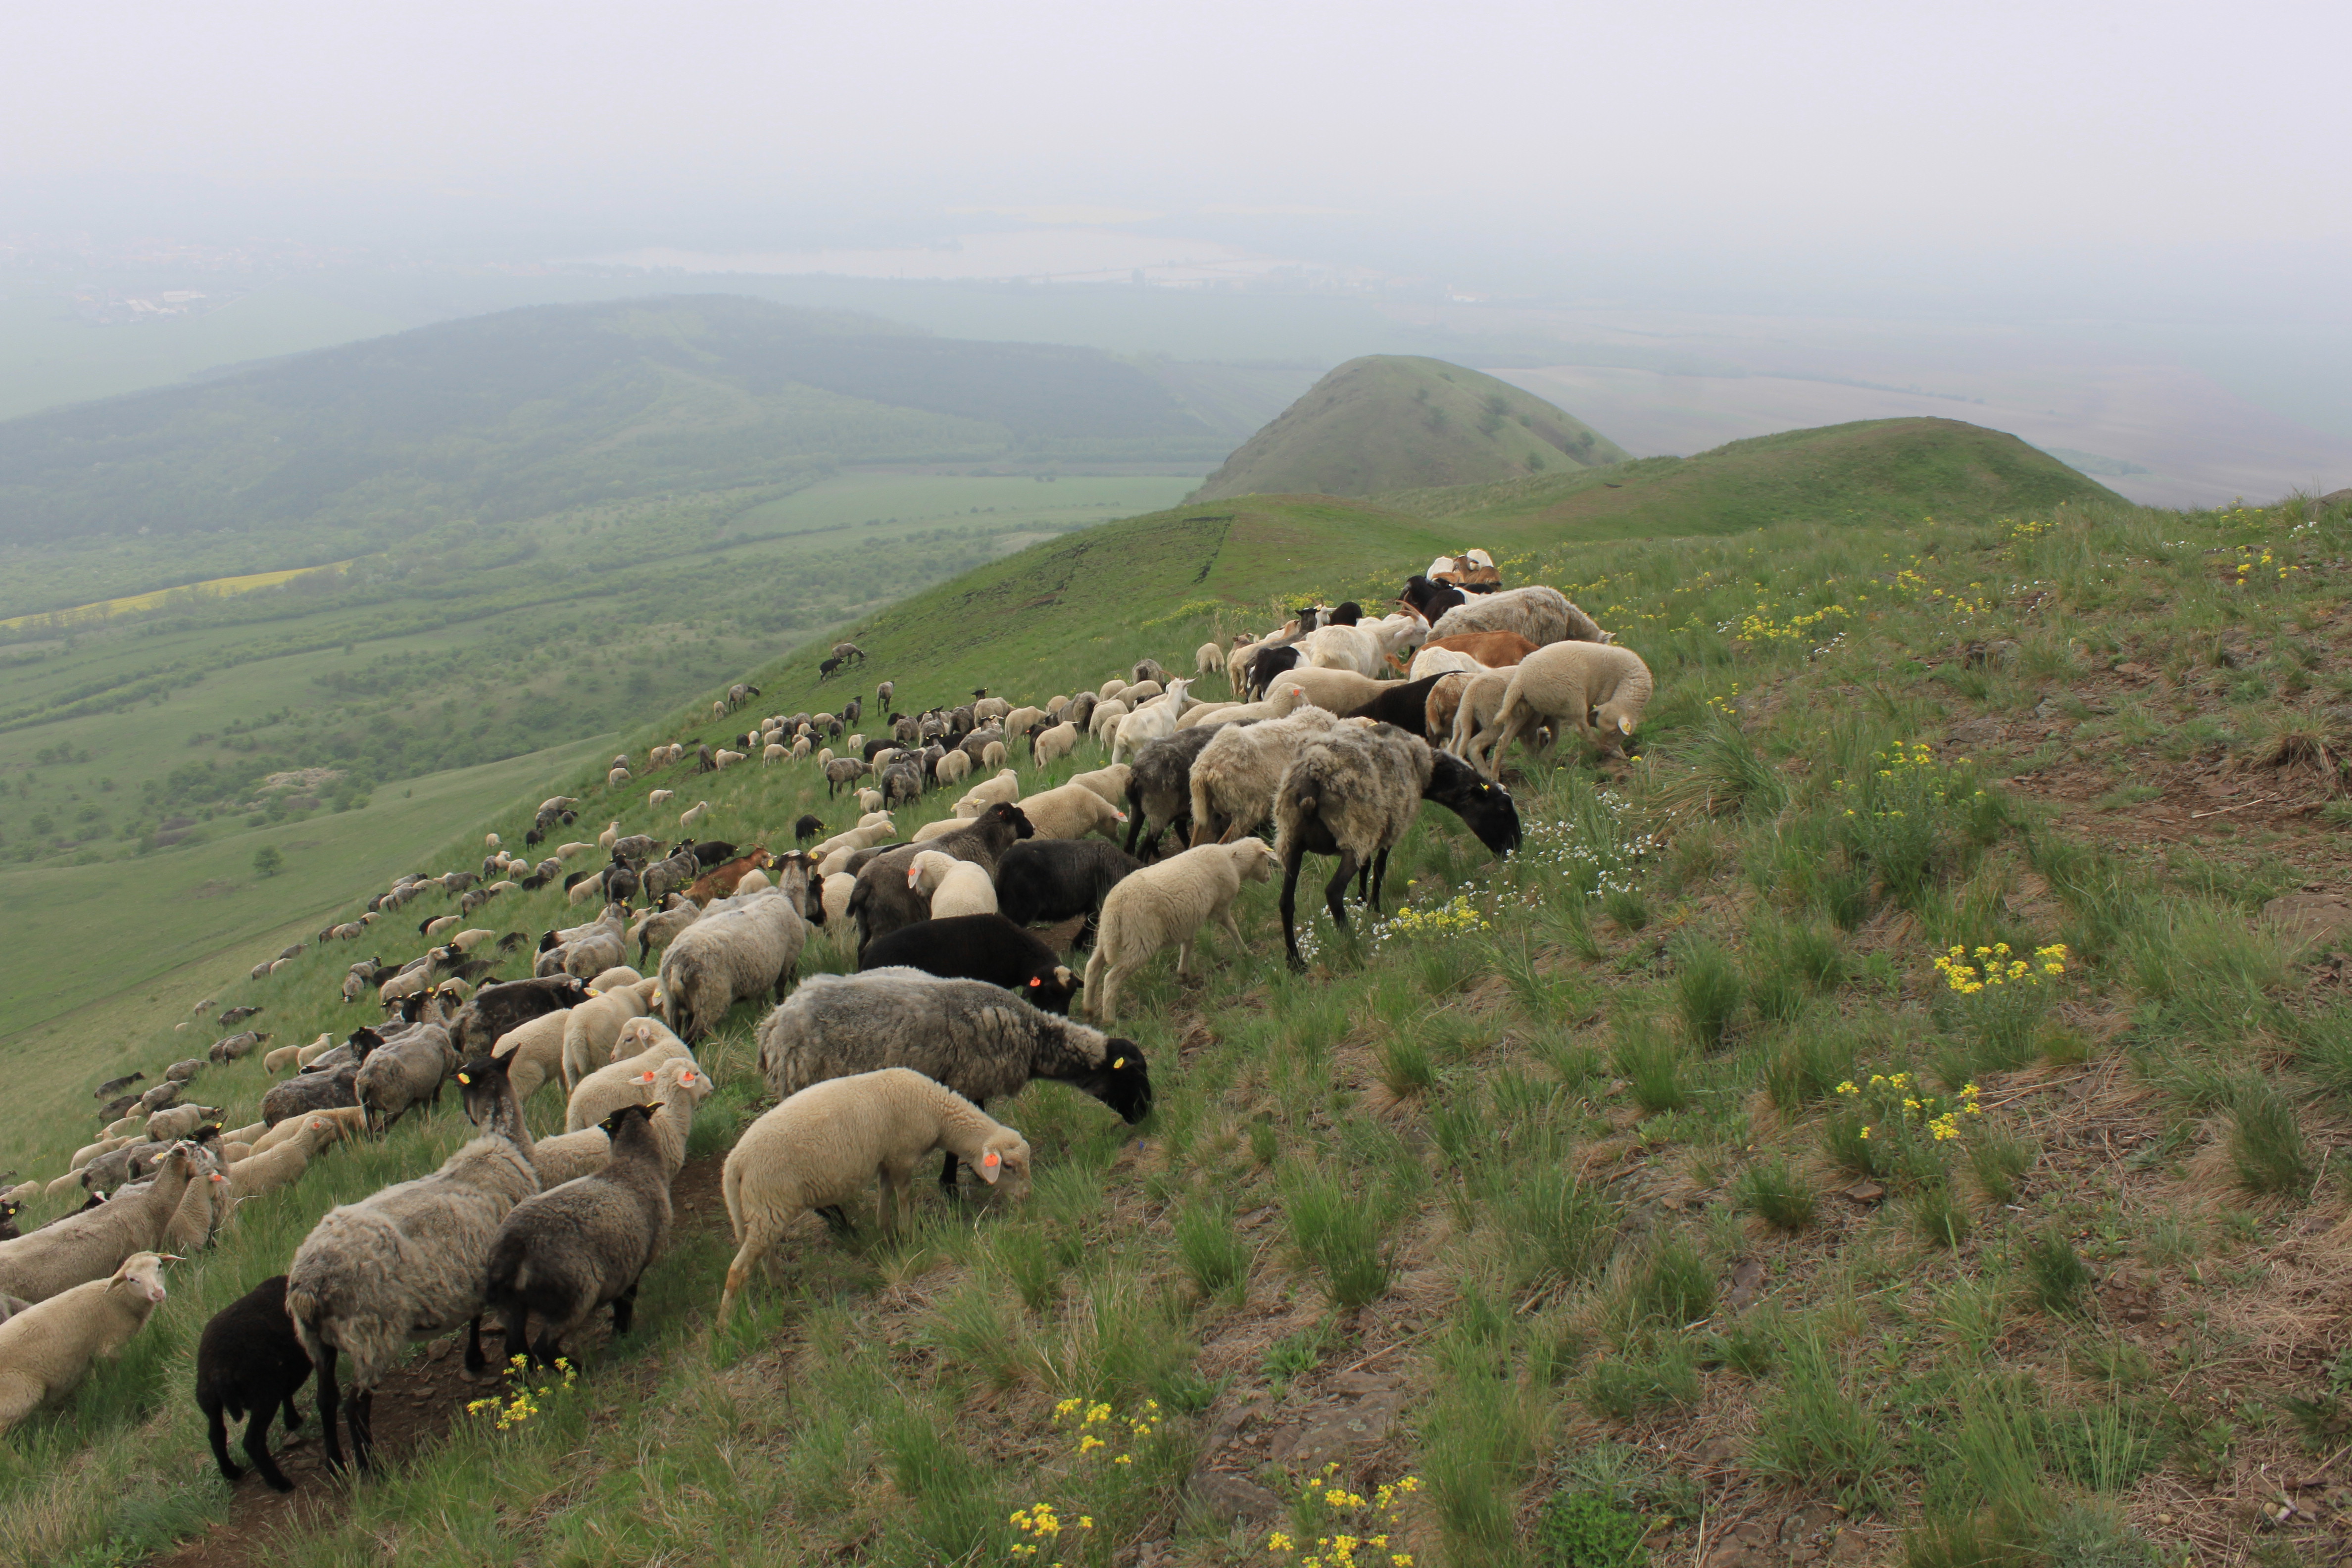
x: 528, y: 411
x: 1875, y: 471
x: 1389, y: 422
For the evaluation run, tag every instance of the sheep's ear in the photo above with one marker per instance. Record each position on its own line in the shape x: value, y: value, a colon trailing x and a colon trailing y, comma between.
x: 991, y: 1165
x: 1624, y: 725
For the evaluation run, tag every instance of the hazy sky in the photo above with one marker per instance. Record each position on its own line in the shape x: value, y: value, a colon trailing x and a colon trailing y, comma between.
x: 2195, y: 153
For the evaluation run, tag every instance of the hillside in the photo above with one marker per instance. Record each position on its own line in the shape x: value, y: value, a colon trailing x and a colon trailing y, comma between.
x: 1890, y: 471
x: 1388, y: 422
x: 1593, y: 1207
x: 347, y: 451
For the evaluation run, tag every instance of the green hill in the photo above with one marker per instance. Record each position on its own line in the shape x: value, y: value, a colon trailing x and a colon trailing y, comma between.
x: 1387, y: 422
x: 1649, y: 1193
x: 1875, y: 470
x: 346, y: 451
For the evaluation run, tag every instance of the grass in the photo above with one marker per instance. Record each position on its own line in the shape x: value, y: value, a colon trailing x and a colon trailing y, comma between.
x: 1541, y: 1245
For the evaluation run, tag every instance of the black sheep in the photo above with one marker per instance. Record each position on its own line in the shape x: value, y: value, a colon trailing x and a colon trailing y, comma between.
x: 1160, y: 788
x: 514, y: 939
x: 495, y: 1009
x: 979, y: 947
x: 1430, y: 599
x: 1047, y: 879
x: 115, y: 1084
x: 249, y: 1361
x: 1268, y: 663
x: 712, y: 852
x: 806, y: 828
x: 1404, y: 705
x: 9, y: 1209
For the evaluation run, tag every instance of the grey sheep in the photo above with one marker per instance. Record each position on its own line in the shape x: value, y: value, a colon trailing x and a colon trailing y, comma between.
x: 402, y: 1073
x: 966, y: 1034
x: 840, y: 771
x: 883, y: 902
x: 565, y: 1252
x: 181, y: 1071
x: 731, y: 956
x: 92, y: 1244
x: 236, y: 1047
x: 1234, y: 776
x: 310, y: 1091
x: 405, y: 1263
x: 1541, y: 615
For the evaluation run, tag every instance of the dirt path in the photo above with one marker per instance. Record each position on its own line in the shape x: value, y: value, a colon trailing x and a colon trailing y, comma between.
x: 414, y: 1407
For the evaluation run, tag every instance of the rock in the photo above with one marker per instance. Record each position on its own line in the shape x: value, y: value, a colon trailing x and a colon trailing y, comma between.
x: 1747, y: 1282
x: 1325, y: 1433
x: 2314, y: 917
x: 1360, y: 1382
x: 1865, y: 1192
x: 1232, y: 1500
x: 1719, y: 1453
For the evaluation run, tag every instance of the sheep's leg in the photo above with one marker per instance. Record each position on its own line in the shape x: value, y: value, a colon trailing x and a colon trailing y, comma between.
x: 1184, y: 959
x: 739, y: 1273
x: 217, y: 1419
x: 293, y: 1417
x: 625, y: 1307
x: 518, y: 1342
x: 1380, y: 875
x: 475, y: 1360
x: 361, y: 1417
x: 257, y: 1448
x: 948, y: 1184
x: 1290, y: 863
x: 1335, y: 891
x: 324, y: 1363
x: 836, y: 1220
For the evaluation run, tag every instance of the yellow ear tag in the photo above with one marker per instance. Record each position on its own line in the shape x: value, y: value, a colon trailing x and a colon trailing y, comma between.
x: 1118, y: 1064
x: 463, y: 1078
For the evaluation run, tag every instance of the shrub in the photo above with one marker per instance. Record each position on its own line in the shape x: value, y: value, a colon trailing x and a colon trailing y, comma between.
x: 1586, y: 1529
x: 1774, y: 1192
x: 268, y: 861
x: 2000, y: 996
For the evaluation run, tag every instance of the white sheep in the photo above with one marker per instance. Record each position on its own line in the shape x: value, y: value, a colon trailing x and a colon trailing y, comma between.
x: 953, y: 886
x: 677, y: 1087
x: 869, y: 800
x: 46, y: 1348
x: 1541, y: 615
x: 1477, y: 706
x: 819, y: 1148
x: 660, y: 798
x: 944, y: 826
x: 1111, y: 689
x: 1165, y: 905
x: 593, y: 1028
x: 1285, y: 699
x: 992, y: 756
x: 1111, y: 783
x: 616, y: 1084
x: 1051, y: 745
x: 1105, y: 723
x: 833, y: 898
x: 1072, y: 811
x: 1155, y: 721
x: 537, y: 1047
x: 283, y: 1162
x: 1597, y: 688
x: 1442, y: 661
x: 1208, y: 659
x: 1234, y: 777
x: 952, y: 767
x: 1004, y: 788
x: 1366, y: 648
x: 694, y: 813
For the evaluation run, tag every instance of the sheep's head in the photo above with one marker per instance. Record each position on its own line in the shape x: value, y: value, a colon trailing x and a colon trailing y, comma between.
x: 1005, y: 1154
x: 1254, y: 860
x: 1122, y: 1081
x: 142, y: 1272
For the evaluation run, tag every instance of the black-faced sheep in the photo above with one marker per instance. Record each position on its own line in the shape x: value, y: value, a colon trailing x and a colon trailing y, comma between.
x: 883, y: 902
x: 565, y: 1252
x: 1045, y: 880
x: 495, y: 1009
x: 979, y: 947
x: 249, y: 1361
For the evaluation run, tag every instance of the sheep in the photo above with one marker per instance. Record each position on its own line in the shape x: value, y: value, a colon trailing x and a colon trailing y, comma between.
x: 1079, y: 713
x: 1159, y: 785
x: 966, y: 1034
x: 342, y: 1120
x: 721, y: 880
x: 305, y: 1055
x: 1233, y: 777
x: 566, y: 1251
x: 656, y: 927
x: 1542, y: 616
x: 950, y: 887
x: 93, y: 1243
x: 403, y: 1073
x: 181, y: 1071
x: 232, y: 1048
x: 641, y: 1047
x: 1104, y: 722
x: 1168, y: 904
x: 1071, y: 811
x: 1051, y: 745
x: 1004, y: 788
x: 1111, y: 689
x: 591, y: 1029
x: 282, y: 1163
x: 405, y: 1263
x: 286, y: 1057
x: 993, y: 754
x: 495, y: 1009
x: 816, y: 1150
x: 1364, y: 648
x: 1154, y: 721
x: 45, y: 1350
x: 1601, y: 690
x: 840, y: 771
x: 248, y: 1359
x: 1353, y: 793
x: 885, y: 692
x: 1340, y: 690
x: 979, y: 947
x: 673, y: 1089
x: 116, y: 1085
x: 1051, y: 879
x: 882, y: 902
x: 834, y: 900
x: 1208, y: 659
x: 1406, y: 703
x: 591, y: 885
x: 693, y: 813
x: 1494, y: 650
x: 728, y: 956
x: 953, y: 768
x: 105, y: 1146
x: 311, y: 1092
x: 179, y: 1121
x: 1435, y: 661
x: 1286, y: 698
x: 533, y: 1052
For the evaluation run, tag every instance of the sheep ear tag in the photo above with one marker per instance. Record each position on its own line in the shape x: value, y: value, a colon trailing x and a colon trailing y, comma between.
x: 1118, y: 1063
x: 465, y: 1078
x: 1035, y: 981
x: 991, y: 1166
x: 1624, y: 725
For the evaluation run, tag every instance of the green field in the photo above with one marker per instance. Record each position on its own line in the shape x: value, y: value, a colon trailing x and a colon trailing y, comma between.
x: 1389, y: 420
x: 1585, y: 1194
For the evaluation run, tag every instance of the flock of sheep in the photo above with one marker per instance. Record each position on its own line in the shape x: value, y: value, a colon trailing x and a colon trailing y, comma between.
x: 963, y: 932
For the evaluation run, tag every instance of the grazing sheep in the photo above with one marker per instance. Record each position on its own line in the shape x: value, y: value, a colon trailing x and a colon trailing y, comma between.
x: 1234, y: 776
x: 1004, y: 789
x: 731, y: 955
x: 1542, y: 616
x: 181, y: 1071
x: 116, y: 1085
x: 564, y: 1252
x: 1494, y: 650
x: 883, y: 902
x: 286, y: 1057
x: 1166, y: 905
x: 817, y: 1149
x: 93, y: 1243
x: 1354, y: 793
x: 1160, y: 788
x: 230, y: 1049
x: 1048, y: 880
x: 1405, y: 704
x: 1071, y: 811
x: 1476, y: 703
x: 673, y: 1089
x: 311, y: 1092
x: 1104, y: 724
x: 345, y: 1122
x: 641, y: 1049
x: 590, y: 1029
x: 495, y: 1009
x: 249, y: 1361
x: 1599, y: 689
x: 950, y: 887
x: 282, y: 1163
x: 402, y: 1073
x: 1365, y: 648
x: 1208, y: 659
x: 966, y: 1034
x: 45, y: 1350
x: 693, y: 813
x: 1156, y: 720
x: 979, y: 947
x: 1435, y: 661
x: 953, y: 768
x: 1051, y: 745
x: 721, y: 880
x: 533, y: 1053
x: 405, y: 1263
x: 656, y: 927
x: 834, y: 900
x: 179, y: 1121
x: 1285, y: 699
x: 840, y: 771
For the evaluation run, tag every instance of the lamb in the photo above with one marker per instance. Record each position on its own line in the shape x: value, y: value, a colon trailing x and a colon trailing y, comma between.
x: 1004, y: 789
x: 45, y: 1350
x: 694, y: 813
x: 1154, y: 721
x: 343, y: 1122
x: 179, y: 1121
x: 1051, y: 745
x: 673, y: 1089
x: 533, y: 1052
x: 646, y: 1045
x: 1476, y: 703
x: 407, y: 1263
x: 1599, y: 689
x: 979, y: 947
x: 230, y: 1049
x: 834, y: 900
x: 1208, y: 659
x: 1353, y: 793
x: 882, y: 902
x: 1365, y: 648
x: 1233, y: 777
x: 728, y: 956
x: 816, y: 1150
x: 1495, y: 650
x: 656, y: 927
x: 590, y: 1029
x: 1072, y: 811
x: 1285, y: 699
x: 1340, y: 690
x: 1542, y: 616
x: 403, y: 1073
x: 966, y: 1034
x: 95, y: 1242
x: 286, y: 1057
x: 953, y: 768
x: 1435, y: 661
x: 249, y: 1361
x: 282, y: 1163
x: 950, y: 887
x: 1167, y: 904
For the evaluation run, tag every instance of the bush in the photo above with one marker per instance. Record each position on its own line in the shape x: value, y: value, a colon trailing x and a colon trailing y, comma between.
x: 1586, y: 1529
x: 268, y: 861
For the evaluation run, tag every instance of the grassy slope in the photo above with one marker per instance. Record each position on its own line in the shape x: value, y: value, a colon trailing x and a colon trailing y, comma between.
x: 1547, y: 1124
x: 1387, y: 420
